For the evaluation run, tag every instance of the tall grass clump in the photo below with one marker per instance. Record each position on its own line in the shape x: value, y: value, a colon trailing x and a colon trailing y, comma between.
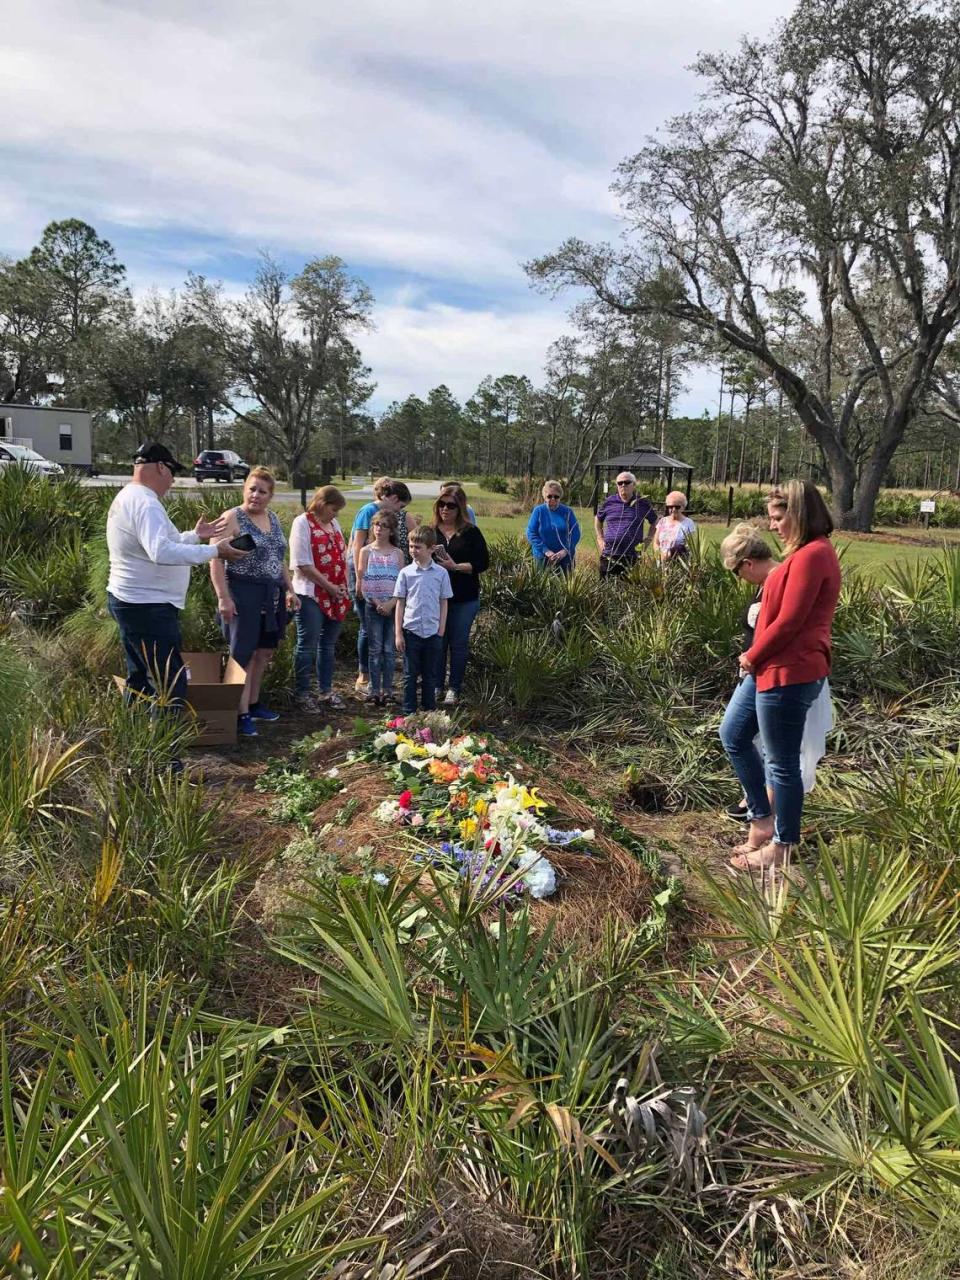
x: 44, y: 528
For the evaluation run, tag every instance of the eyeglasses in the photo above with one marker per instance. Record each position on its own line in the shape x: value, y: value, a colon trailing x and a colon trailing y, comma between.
x: 553, y: 497
x: 739, y: 565
x: 673, y: 508
x: 625, y: 483
x: 447, y: 506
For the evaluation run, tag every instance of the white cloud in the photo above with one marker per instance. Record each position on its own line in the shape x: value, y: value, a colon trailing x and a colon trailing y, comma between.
x: 447, y: 142
x: 414, y: 349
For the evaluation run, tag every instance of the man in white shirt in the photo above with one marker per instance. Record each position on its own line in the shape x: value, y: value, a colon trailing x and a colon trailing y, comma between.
x: 150, y: 563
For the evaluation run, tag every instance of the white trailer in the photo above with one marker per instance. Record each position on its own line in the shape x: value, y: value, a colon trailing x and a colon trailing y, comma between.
x: 62, y: 435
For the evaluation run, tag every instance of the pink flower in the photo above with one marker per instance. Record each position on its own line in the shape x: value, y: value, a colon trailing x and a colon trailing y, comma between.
x: 417, y: 820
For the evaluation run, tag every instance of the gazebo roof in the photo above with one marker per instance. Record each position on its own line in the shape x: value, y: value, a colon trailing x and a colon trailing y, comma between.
x: 645, y: 457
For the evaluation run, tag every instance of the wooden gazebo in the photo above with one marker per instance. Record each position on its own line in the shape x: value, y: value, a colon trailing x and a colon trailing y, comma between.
x: 642, y: 458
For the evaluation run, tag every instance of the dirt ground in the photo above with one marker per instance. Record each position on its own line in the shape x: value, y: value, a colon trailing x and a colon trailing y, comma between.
x: 609, y: 882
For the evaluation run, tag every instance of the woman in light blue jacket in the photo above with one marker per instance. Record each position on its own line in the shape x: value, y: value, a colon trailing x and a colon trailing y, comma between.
x: 553, y: 530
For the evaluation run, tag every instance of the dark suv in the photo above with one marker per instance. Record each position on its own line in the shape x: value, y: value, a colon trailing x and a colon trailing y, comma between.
x: 219, y: 464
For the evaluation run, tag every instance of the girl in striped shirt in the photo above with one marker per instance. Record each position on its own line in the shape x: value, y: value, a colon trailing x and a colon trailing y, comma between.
x: 380, y: 562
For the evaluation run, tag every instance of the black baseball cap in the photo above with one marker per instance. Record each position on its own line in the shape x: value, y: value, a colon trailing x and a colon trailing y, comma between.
x: 151, y: 451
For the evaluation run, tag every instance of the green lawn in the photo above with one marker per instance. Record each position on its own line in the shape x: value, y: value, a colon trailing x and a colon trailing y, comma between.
x: 870, y: 554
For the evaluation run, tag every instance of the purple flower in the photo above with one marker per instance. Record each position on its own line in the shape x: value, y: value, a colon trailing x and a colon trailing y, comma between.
x: 560, y: 838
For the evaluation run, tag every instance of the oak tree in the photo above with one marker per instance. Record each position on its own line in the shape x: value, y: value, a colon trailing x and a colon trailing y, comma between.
x: 821, y: 175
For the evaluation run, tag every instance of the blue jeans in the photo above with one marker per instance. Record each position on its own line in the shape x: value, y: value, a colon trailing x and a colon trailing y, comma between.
x: 316, y: 642
x: 363, y: 646
x: 383, y: 653
x: 421, y: 660
x: 456, y: 641
x: 779, y: 715
x: 150, y: 634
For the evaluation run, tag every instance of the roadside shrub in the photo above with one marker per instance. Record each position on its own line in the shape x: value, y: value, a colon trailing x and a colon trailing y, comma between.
x: 495, y: 484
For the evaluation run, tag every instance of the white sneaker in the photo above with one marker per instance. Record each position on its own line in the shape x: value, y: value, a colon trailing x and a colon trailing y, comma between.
x: 450, y: 699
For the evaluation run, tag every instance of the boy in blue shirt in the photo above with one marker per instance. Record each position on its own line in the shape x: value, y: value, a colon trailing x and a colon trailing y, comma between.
x: 423, y: 589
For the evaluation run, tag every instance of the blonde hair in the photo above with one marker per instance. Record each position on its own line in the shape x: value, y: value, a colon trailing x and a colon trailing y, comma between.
x: 380, y: 487
x: 552, y: 484
x: 744, y: 542
x: 674, y: 497
x: 809, y: 515
x: 326, y: 493
x: 261, y: 473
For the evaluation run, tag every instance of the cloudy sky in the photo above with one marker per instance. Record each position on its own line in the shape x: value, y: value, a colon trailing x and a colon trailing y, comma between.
x: 433, y: 146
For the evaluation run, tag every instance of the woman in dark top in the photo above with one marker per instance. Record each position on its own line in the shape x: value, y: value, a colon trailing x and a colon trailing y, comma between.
x: 462, y: 551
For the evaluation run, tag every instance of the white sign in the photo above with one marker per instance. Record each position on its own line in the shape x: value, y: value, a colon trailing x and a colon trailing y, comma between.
x: 927, y: 505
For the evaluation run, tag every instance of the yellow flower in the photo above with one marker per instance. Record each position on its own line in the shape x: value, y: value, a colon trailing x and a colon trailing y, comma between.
x: 468, y: 828
x: 530, y: 800
x: 436, y: 815
x: 480, y: 808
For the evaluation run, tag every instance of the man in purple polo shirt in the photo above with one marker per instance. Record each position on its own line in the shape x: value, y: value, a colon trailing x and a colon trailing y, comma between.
x: 619, y: 526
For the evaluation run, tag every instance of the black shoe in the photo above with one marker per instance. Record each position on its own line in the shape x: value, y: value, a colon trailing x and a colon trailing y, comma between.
x: 737, y: 811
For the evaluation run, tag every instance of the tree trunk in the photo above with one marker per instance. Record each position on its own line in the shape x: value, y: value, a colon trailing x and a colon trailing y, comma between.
x: 667, y: 395
x: 716, y: 450
x: 726, y: 446
x: 843, y: 486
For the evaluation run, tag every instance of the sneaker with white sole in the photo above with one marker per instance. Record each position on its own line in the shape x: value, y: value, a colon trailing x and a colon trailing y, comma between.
x: 450, y: 699
x: 246, y: 725
x: 330, y: 700
x: 306, y: 702
x: 261, y: 712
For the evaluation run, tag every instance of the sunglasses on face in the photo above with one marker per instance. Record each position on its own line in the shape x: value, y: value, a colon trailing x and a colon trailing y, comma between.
x: 553, y: 497
x: 675, y: 508
x: 624, y: 483
x: 448, y: 506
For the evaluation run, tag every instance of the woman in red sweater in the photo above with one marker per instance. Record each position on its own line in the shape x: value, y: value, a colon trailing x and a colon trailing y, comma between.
x: 788, y: 662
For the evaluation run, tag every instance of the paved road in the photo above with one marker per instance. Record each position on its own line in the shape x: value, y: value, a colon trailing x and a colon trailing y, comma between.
x: 418, y: 488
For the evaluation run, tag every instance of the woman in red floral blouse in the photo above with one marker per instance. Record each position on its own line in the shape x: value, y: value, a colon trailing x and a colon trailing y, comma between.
x: 318, y: 563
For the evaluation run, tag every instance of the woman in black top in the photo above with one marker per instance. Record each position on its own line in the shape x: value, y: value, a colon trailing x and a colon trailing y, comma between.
x: 462, y: 551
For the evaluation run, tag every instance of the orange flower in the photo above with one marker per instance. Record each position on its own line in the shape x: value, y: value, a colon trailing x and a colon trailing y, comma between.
x: 443, y: 771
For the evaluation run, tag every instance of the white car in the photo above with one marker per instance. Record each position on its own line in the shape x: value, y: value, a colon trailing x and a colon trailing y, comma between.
x: 18, y: 455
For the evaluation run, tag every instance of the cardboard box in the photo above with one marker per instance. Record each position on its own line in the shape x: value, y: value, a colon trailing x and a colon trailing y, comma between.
x: 213, y: 691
